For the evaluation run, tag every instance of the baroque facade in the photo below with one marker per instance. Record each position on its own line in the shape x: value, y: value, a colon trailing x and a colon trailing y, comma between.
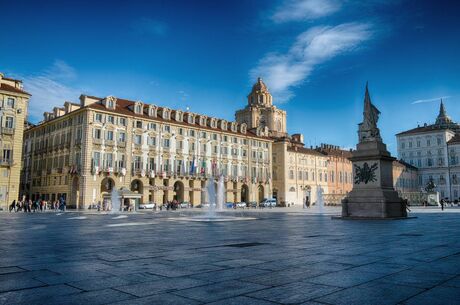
x: 14, y: 103
x: 434, y: 150
x: 83, y: 151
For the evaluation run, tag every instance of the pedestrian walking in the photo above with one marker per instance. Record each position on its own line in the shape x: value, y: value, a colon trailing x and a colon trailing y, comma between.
x: 442, y: 204
x: 13, y: 206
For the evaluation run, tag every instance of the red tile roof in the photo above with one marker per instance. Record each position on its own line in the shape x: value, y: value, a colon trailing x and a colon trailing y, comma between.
x: 304, y: 150
x: 123, y: 105
x: 6, y: 87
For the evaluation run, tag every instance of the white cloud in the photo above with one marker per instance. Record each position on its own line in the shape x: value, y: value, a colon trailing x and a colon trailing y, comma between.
x: 299, y: 10
x: 281, y: 72
x: 49, y: 89
x: 61, y: 70
x: 436, y: 99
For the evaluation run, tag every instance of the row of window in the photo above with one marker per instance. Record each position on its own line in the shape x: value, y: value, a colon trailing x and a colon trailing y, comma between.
x: 418, y: 143
x: 77, y: 120
x: 306, y: 161
x: 419, y: 153
x: 107, y: 160
x: 305, y: 175
x: 429, y: 162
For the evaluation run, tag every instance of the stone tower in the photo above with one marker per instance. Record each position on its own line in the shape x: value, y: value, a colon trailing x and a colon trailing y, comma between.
x: 260, y: 111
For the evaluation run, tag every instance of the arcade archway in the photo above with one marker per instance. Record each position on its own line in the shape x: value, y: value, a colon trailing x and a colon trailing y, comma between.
x: 178, y: 191
x: 244, y: 193
x: 260, y: 193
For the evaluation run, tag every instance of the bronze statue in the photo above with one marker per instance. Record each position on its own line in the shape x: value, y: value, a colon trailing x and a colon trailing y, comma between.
x: 368, y: 130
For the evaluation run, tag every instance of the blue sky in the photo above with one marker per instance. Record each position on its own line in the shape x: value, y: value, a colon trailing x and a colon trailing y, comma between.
x: 315, y: 56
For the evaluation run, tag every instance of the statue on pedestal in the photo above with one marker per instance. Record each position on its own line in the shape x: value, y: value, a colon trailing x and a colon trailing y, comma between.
x: 373, y: 195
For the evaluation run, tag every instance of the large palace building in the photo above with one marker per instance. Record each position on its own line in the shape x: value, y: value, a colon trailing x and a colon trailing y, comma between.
x: 13, y: 112
x: 434, y: 149
x: 81, y: 152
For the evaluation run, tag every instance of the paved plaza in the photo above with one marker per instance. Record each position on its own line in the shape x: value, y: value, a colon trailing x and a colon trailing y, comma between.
x: 283, y: 256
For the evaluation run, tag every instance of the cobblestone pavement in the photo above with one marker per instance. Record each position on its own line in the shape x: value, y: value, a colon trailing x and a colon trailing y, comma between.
x: 281, y: 257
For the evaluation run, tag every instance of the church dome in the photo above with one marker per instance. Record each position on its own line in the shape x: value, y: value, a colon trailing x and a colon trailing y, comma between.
x: 259, y: 86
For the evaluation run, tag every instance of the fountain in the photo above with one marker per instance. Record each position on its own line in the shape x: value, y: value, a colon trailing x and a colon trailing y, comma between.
x: 320, y: 199
x: 216, y: 199
x: 115, y: 201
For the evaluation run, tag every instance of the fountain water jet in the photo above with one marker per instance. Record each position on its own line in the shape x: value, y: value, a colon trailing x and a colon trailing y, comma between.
x: 215, y: 198
x: 320, y: 199
x: 115, y: 201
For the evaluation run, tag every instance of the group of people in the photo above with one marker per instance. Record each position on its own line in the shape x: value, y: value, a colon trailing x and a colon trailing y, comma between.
x: 39, y: 205
x: 170, y: 205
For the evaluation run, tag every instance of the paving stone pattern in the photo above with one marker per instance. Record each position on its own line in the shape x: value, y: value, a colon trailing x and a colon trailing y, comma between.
x: 278, y: 258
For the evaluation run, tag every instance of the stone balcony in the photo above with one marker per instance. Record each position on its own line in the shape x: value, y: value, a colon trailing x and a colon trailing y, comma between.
x: 7, y: 131
x: 6, y: 162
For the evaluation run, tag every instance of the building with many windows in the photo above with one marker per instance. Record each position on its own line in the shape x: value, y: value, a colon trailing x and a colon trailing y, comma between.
x: 83, y: 151
x: 340, y: 173
x: 433, y: 149
x: 14, y: 102
x: 298, y: 172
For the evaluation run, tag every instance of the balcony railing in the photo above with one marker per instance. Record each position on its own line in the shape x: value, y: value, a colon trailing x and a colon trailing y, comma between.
x: 121, y: 144
x: 6, y: 162
x: 7, y: 130
x: 109, y: 142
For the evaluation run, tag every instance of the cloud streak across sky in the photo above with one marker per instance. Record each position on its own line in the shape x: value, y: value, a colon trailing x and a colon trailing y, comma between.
x: 301, y: 10
x: 49, y: 88
x: 430, y: 100
x: 283, y: 72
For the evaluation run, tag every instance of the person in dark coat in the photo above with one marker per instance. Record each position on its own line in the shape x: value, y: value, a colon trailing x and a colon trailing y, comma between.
x: 13, y: 206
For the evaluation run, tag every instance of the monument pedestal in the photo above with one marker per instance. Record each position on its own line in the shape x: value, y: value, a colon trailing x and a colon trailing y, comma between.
x: 373, y: 195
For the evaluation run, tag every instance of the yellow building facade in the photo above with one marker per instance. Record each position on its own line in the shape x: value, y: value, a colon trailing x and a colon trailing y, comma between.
x: 83, y: 151
x: 14, y: 102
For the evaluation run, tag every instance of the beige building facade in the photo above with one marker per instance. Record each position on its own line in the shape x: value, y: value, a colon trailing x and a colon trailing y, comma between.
x: 298, y: 172
x: 340, y: 173
x: 405, y: 177
x: 14, y: 102
x: 84, y: 151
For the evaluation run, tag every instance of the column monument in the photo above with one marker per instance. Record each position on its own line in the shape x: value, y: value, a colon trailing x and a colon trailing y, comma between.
x: 373, y: 195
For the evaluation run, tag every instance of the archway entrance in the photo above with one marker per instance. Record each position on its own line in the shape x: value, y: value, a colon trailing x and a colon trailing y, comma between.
x: 136, y: 187
x: 260, y: 193
x: 275, y: 194
x: 75, y: 193
x: 178, y: 191
x: 244, y: 193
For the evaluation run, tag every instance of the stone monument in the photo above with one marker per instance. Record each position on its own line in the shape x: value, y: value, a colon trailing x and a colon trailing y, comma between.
x: 373, y: 195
